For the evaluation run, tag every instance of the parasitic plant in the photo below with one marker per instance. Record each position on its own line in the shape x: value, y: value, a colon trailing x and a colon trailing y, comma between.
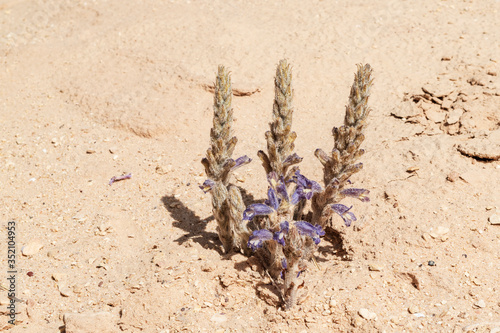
x: 278, y: 231
x: 227, y: 203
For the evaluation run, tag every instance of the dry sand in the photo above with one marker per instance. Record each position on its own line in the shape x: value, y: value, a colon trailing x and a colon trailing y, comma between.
x: 95, y: 89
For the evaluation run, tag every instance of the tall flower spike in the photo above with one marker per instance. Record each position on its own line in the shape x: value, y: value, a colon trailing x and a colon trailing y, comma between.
x: 227, y: 203
x: 280, y: 138
x: 342, y: 162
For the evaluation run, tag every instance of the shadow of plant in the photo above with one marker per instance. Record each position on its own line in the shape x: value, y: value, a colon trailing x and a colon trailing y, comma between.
x: 187, y: 220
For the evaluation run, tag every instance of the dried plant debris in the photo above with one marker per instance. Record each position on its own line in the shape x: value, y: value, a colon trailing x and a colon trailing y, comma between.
x: 279, y: 231
x: 453, y: 103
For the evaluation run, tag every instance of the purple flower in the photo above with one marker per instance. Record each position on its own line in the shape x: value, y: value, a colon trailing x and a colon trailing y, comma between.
x: 272, y: 199
x: 207, y: 185
x: 240, y: 161
x: 305, y: 187
x: 268, y: 207
x: 281, y: 189
x: 344, y: 212
x: 284, y: 266
x: 116, y: 179
x: 258, y: 237
x: 358, y: 193
x: 283, y: 263
x: 279, y: 236
x: 307, y: 229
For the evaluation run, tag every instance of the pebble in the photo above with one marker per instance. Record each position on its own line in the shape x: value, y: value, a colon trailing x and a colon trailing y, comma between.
x: 367, y: 314
x: 479, y: 304
x: 440, y: 231
x: 494, y: 219
x: 218, y: 318
x: 80, y: 217
x: 454, y: 116
x: 446, y: 104
x: 104, y: 322
x: 413, y: 309
x: 375, y: 267
x: 58, y: 277
x: 65, y: 290
x: 31, y: 248
x: 453, y: 176
x: 435, y: 115
x: 332, y: 303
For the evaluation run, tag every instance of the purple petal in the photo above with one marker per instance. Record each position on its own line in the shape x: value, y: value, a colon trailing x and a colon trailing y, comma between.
x: 300, y: 179
x: 306, y: 187
x: 255, y: 210
x: 284, y: 226
x: 279, y: 236
x: 307, y: 229
x: 207, y: 185
x: 296, y: 196
x: 240, y: 161
x: 344, y: 212
x: 358, y: 193
x: 272, y: 199
x: 272, y: 178
x: 283, y: 263
x: 118, y: 178
x: 258, y: 237
x: 281, y: 189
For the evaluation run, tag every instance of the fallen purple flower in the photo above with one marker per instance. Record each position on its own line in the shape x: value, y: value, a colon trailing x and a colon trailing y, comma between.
x: 344, y: 212
x: 117, y: 179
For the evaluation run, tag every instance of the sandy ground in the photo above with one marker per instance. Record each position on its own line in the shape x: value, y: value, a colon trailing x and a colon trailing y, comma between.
x: 95, y: 89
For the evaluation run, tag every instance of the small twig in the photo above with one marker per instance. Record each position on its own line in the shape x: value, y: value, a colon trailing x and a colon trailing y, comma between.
x: 315, y: 263
x: 117, y: 179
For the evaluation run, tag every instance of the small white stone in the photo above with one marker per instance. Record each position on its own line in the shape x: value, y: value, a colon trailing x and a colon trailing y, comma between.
x: 58, y: 277
x: 332, y: 303
x: 367, y: 314
x: 31, y: 248
x: 454, y: 116
x: 218, y: 318
x: 442, y: 230
x: 65, y: 290
x: 375, y: 267
x: 479, y: 304
x: 494, y: 219
x: 413, y: 309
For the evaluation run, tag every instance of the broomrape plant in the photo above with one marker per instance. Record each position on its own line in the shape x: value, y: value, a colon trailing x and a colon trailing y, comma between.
x: 279, y: 231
